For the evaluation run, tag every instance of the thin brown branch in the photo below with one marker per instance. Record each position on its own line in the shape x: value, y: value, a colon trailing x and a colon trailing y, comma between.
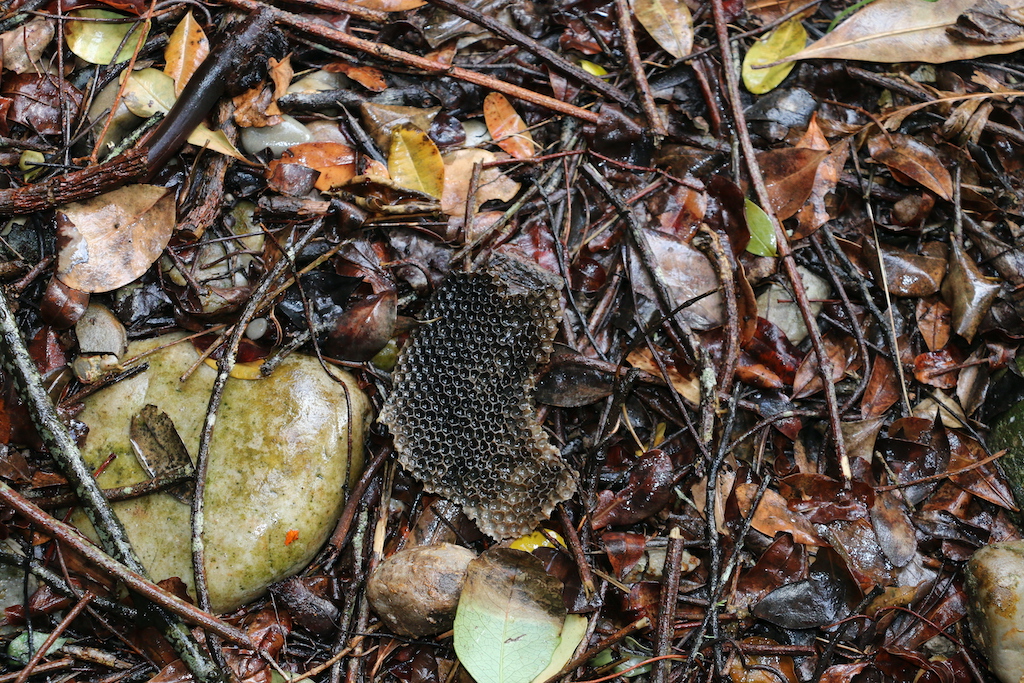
x: 636, y: 67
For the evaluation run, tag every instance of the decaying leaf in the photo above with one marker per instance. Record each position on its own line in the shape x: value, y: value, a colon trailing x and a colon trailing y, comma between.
x: 967, y: 291
x: 110, y: 240
x: 773, y: 515
x: 510, y: 617
x: 669, y: 22
x: 458, y: 172
x: 415, y: 162
x: 507, y: 128
x: 185, y: 51
x: 786, y: 40
x: 98, y: 42
x: 915, y: 160
x: 789, y: 174
x: 159, y: 448
x: 22, y: 47
x: 905, y: 30
x: 815, y: 211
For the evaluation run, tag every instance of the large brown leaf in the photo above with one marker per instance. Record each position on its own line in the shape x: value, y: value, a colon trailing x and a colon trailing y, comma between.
x: 108, y: 241
x: 789, y: 174
x: 902, y: 30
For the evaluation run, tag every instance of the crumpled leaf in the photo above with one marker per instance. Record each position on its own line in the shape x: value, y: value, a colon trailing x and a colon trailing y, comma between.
x: 507, y: 128
x: 510, y: 617
x: 185, y: 51
x: 110, y: 240
x: 458, y: 171
x: 902, y: 30
x: 906, y: 155
x: 762, y: 232
x: 97, y: 42
x: 150, y: 92
x: 815, y: 211
x: 647, y: 492
x: 415, y: 162
x: 23, y: 46
x: 669, y: 22
x: 786, y: 40
x: 967, y: 291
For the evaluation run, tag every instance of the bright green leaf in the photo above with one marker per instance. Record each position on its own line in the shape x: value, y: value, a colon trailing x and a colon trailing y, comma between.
x: 150, y: 92
x: 762, y: 232
x: 97, y: 42
x: 415, y: 162
x: 786, y: 40
x: 510, y: 618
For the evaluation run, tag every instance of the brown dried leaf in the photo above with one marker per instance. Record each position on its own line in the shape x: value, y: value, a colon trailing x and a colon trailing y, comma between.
x: 789, y: 174
x: 507, y: 128
x: 906, y: 274
x: 898, y: 30
x: 841, y: 351
x: 773, y: 515
x: 185, y: 51
x: 390, y: 5
x: 815, y: 212
x: 967, y: 291
x: 369, y: 77
x: 934, y: 322
x: 938, y: 368
x: 109, y: 240
x: 458, y: 171
x: 906, y: 156
x: 893, y: 528
x: 688, y: 388
x: 159, y: 449
x: 882, y: 390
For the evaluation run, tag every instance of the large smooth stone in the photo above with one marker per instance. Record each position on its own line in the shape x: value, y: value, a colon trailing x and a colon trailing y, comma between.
x: 280, y: 455
x: 995, y: 584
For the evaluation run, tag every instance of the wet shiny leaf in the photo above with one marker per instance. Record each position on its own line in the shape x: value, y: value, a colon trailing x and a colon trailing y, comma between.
x: 785, y: 41
x: 909, y: 158
x: 507, y: 128
x: 669, y: 22
x: 103, y: 42
x: 762, y: 232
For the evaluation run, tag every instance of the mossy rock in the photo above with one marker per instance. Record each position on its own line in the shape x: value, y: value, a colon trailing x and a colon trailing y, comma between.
x: 282, y: 450
x: 1008, y: 433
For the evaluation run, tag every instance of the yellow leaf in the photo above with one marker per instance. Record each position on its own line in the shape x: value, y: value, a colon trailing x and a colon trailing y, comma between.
x: 669, y: 22
x: 415, y: 162
x: 783, y: 42
x: 458, y: 171
x: 249, y: 370
x: 185, y: 51
x: 97, y: 42
x: 507, y: 128
x: 593, y: 69
x: 215, y: 141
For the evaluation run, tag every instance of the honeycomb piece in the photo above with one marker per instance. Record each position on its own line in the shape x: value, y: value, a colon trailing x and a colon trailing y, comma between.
x: 461, y: 410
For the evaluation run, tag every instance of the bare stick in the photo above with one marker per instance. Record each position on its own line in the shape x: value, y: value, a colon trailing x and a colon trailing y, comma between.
x: 636, y: 67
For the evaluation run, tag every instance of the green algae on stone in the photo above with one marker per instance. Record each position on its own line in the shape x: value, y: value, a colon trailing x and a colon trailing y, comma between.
x: 280, y: 456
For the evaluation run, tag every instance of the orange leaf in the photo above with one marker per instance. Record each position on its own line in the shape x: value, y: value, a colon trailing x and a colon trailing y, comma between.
x: 185, y: 51
x: 506, y: 127
x: 366, y: 76
x: 909, y: 158
x: 789, y: 174
x: 335, y: 161
x: 772, y: 515
x: 291, y: 537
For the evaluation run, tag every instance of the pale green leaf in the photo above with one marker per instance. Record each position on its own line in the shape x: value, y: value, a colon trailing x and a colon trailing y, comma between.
x: 785, y: 41
x: 150, y: 92
x: 572, y: 635
x: 97, y: 42
x: 669, y: 22
x: 19, y: 651
x: 510, y: 618
x: 415, y: 162
x: 762, y: 232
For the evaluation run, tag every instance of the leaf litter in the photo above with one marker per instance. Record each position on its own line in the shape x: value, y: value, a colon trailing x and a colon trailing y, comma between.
x: 740, y: 473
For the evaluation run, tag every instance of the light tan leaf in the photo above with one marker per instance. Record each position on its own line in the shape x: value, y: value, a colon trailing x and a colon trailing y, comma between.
x: 281, y: 74
x: 415, y: 162
x: 904, y: 30
x: 458, y: 171
x: 506, y: 127
x: 23, y: 46
x: 185, y: 51
x: 112, y: 239
x: 815, y: 212
x: 669, y: 22
x: 688, y: 388
x: 773, y: 515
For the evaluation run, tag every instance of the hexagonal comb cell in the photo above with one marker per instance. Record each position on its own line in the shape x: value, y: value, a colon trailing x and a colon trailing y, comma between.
x: 462, y: 411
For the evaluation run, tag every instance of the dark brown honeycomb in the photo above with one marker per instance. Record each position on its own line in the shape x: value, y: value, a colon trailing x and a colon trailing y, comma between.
x: 462, y: 411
